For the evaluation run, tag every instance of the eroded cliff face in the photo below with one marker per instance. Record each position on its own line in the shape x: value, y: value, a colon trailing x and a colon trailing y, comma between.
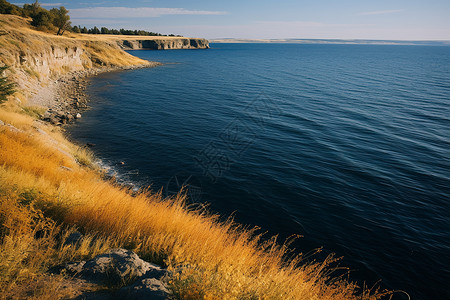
x: 37, y: 67
x: 36, y: 59
x: 50, y: 61
x: 165, y: 44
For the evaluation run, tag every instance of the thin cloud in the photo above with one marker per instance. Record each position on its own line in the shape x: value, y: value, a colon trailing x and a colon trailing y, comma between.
x: 135, y: 12
x: 380, y: 12
x: 303, y: 24
x: 104, y: 22
x: 51, y: 4
x: 41, y: 4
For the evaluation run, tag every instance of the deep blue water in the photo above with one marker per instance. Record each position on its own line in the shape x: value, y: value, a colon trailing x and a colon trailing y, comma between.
x: 346, y: 145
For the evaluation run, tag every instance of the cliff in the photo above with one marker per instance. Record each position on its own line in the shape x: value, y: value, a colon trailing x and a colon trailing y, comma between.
x: 164, y: 44
x: 37, y: 59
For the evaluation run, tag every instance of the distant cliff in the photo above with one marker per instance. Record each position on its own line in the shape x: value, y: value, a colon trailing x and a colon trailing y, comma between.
x: 164, y: 44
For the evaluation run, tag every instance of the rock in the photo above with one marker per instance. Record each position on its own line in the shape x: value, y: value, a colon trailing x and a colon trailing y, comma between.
x: 54, y: 120
x: 47, y: 114
x: 69, y: 118
x: 147, y: 288
x: 2, y: 123
x: 75, y: 267
x: 78, y: 116
x: 116, y: 266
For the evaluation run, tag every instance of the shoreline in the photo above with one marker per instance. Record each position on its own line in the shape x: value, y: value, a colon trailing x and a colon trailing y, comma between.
x: 65, y: 99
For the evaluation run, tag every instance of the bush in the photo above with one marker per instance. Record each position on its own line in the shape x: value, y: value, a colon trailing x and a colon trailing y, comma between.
x: 6, y: 87
x: 8, y: 8
x: 76, y: 29
x: 42, y: 19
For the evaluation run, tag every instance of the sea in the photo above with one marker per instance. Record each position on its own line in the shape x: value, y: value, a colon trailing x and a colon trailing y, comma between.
x: 345, y: 148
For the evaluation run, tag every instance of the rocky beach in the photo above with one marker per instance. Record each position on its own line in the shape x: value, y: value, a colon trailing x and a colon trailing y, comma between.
x: 65, y: 98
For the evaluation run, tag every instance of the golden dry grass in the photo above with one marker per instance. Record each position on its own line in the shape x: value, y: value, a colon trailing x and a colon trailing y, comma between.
x: 210, y: 259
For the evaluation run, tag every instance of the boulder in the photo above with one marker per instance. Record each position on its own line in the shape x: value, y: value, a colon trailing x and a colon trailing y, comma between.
x: 116, y: 266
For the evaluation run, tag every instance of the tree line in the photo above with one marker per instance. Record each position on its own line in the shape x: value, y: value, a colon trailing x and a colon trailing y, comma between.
x: 104, y: 30
x: 59, y: 19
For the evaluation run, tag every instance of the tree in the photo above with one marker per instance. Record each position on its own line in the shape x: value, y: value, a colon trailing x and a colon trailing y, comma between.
x: 6, y: 87
x: 76, y: 29
x: 60, y: 19
x: 104, y: 30
x: 30, y: 10
x: 42, y: 19
x: 8, y: 8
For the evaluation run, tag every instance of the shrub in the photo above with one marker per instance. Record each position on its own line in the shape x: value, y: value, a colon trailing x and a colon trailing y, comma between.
x: 6, y: 87
x: 8, y: 8
x: 42, y: 19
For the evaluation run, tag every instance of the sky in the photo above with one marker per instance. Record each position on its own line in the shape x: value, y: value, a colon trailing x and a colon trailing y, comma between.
x: 270, y: 19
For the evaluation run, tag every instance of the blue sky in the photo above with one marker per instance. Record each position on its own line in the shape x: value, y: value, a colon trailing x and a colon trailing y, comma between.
x: 345, y: 19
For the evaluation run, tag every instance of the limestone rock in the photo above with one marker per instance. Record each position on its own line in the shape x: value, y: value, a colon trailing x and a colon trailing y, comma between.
x: 116, y: 266
x: 164, y: 44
